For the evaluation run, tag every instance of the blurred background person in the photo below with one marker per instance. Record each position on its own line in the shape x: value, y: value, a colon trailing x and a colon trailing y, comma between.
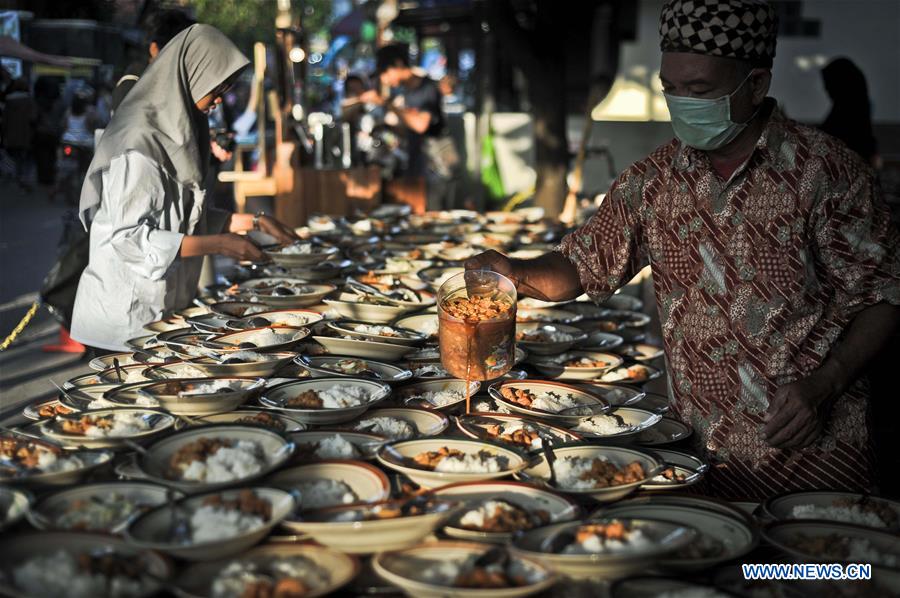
x: 163, y: 27
x: 48, y: 129
x: 19, y: 118
x: 850, y: 119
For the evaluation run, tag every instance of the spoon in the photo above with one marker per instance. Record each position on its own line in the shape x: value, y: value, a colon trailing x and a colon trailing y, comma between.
x: 118, y: 369
x: 547, y: 448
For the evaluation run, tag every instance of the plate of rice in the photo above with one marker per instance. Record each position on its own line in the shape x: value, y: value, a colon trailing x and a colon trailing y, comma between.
x: 212, y: 525
x: 106, y: 428
x: 435, y: 462
x: 323, y: 401
x: 446, y: 395
x: 840, y: 507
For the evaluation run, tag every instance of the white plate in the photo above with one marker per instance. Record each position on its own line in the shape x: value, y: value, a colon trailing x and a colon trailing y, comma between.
x: 666, y: 538
x: 368, y: 483
x: 106, y: 361
x: 277, y: 396
x: 683, y: 463
x: 404, y: 336
x: 404, y: 570
x: 155, y: 464
x: 582, y: 397
x: 546, y: 316
x: 196, y: 580
x: 149, y: 531
x: 16, y: 549
x: 368, y: 312
x: 558, y: 508
x: 667, y: 431
x: 783, y: 535
x: 52, y: 429
x: 473, y: 425
x: 173, y: 396
x: 782, y: 507
x: 366, y: 444
x: 638, y: 419
x: 620, y: 456
x: 316, y: 293
x: 552, y: 367
x: 364, y: 349
x: 734, y: 537
x: 295, y: 334
x: 549, y: 348
x: 292, y: 260
x: 424, y: 324
x: 427, y: 422
x: 397, y: 456
x: 46, y: 512
x: 389, y: 373
x: 409, y: 395
x: 373, y: 535
x: 241, y: 417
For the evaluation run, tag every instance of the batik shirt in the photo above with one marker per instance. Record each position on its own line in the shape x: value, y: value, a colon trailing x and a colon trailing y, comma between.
x: 756, y: 278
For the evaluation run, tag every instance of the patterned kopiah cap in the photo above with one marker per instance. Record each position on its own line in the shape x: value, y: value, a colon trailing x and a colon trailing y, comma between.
x: 743, y: 29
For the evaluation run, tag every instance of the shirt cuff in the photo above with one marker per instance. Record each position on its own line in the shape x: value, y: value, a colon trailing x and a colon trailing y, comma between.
x: 165, y: 246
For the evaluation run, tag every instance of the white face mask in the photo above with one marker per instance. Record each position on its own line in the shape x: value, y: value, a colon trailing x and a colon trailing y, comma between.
x: 705, y: 124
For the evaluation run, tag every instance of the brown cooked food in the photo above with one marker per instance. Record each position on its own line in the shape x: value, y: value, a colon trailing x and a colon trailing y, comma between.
x: 605, y: 474
x: 513, y: 519
x: 81, y: 425
x: 672, y: 474
x: 54, y: 409
x: 199, y: 450
x: 477, y: 309
x: 111, y: 565
x: 869, y: 505
x: 614, y: 530
x: 246, y: 502
x: 521, y: 437
x: 518, y: 396
x: 24, y: 452
x: 430, y: 459
x: 286, y: 587
x: 263, y: 419
x: 480, y: 577
x: 308, y: 399
x: 585, y: 362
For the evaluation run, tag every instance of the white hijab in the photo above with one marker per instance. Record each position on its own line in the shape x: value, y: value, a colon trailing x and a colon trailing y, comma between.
x: 158, y: 117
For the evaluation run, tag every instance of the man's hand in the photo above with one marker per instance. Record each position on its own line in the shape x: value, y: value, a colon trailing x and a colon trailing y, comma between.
x: 282, y: 233
x: 240, y: 248
x: 793, y: 418
x: 493, y: 261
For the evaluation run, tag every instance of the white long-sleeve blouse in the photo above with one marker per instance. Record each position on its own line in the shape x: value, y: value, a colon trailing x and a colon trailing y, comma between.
x: 135, y: 274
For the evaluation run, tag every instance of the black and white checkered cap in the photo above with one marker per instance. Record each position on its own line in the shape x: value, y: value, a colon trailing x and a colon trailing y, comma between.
x: 743, y: 29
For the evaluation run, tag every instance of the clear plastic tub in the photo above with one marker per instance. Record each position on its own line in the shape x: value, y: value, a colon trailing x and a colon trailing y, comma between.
x: 477, y: 325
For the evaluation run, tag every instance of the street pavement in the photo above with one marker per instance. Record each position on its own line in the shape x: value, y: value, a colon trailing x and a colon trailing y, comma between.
x: 30, y: 231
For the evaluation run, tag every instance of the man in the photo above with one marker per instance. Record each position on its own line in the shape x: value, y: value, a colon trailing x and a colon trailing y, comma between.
x: 417, y: 105
x: 166, y: 25
x: 774, y: 263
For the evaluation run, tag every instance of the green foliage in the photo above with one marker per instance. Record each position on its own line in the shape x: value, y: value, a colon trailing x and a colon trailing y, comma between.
x: 250, y: 21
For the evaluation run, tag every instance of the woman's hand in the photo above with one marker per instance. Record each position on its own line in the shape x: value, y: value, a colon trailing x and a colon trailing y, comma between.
x: 239, y: 248
x: 282, y: 233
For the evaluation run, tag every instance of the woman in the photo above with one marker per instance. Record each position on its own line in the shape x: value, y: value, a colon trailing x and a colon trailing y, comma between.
x: 143, y: 197
x: 850, y: 119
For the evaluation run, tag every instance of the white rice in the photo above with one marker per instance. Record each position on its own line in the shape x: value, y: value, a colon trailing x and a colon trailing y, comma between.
x: 375, y: 329
x: 288, y: 319
x: 227, y: 464
x: 476, y: 517
x: 143, y: 400
x: 124, y: 424
x: 432, y: 370
x: 134, y: 375
x: 268, y: 337
x: 852, y: 514
x: 343, y: 395
x: 317, y: 494
x: 58, y: 574
x: 250, y: 356
x: 48, y: 462
x: 602, y: 425
x: 440, y: 398
x: 569, y: 469
x: 472, y: 463
x: 232, y: 581
x: 547, y: 334
x: 297, y: 249
x: 336, y: 447
x: 635, y: 541
x: 207, y: 388
x: 862, y: 551
x: 391, y: 427
x: 552, y: 402
x: 445, y: 572
x: 211, y: 524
